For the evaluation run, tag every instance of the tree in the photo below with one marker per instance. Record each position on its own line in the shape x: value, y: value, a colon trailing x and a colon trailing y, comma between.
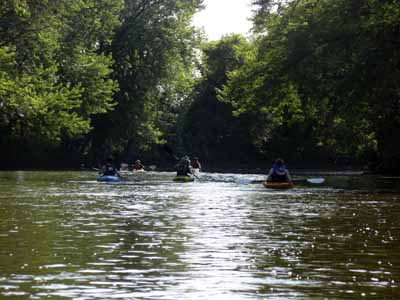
x: 53, y: 78
x: 208, y: 127
x: 154, y: 52
x: 316, y: 67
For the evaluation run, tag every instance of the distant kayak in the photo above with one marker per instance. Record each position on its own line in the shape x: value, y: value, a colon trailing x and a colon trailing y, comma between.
x: 138, y: 170
x: 278, y: 185
x: 183, y: 179
x: 108, y: 178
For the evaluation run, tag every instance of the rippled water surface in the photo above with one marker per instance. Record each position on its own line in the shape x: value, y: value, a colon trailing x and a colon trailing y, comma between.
x: 65, y: 236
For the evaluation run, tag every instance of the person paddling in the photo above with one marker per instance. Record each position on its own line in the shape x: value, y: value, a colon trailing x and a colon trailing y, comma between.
x: 195, y: 163
x: 138, y: 166
x: 109, y: 170
x: 279, y: 172
x: 183, y: 167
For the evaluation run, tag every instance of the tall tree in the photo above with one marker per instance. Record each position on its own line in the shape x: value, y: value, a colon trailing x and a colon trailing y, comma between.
x: 317, y: 65
x: 53, y: 78
x: 154, y: 52
x: 208, y: 127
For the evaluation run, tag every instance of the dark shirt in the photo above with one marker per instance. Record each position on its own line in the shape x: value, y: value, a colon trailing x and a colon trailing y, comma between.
x: 138, y: 167
x: 183, y: 168
x: 109, y: 170
x: 279, y: 173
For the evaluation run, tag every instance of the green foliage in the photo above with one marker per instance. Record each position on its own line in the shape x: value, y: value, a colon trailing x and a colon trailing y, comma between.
x: 53, y: 78
x: 34, y: 105
x: 208, y: 128
x: 96, y: 77
x: 154, y: 53
x: 315, y: 75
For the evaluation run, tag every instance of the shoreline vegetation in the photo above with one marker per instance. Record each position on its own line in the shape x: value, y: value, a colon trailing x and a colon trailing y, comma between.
x: 84, y: 81
x: 327, y: 171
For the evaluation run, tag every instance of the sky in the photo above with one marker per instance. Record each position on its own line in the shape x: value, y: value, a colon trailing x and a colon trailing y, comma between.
x: 221, y: 17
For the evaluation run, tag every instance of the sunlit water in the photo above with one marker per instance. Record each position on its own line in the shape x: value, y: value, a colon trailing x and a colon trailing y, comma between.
x: 65, y: 236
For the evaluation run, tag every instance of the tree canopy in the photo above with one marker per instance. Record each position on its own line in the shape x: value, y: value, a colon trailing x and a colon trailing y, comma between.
x: 88, y: 79
x: 325, y: 76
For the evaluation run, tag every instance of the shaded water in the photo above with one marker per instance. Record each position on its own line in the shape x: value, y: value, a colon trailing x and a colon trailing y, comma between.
x: 65, y: 236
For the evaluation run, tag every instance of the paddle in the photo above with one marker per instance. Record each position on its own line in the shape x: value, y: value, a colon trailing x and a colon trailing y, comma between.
x: 318, y: 180
x: 194, y: 175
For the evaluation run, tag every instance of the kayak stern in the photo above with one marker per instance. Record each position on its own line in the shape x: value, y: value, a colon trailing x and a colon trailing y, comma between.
x: 278, y: 185
x: 183, y: 179
x: 108, y: 179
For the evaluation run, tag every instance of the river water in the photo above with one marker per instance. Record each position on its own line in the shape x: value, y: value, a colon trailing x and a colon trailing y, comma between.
x: 65, y: 236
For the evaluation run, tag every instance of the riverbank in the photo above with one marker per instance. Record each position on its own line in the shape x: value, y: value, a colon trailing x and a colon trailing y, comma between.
x: 236, y: 170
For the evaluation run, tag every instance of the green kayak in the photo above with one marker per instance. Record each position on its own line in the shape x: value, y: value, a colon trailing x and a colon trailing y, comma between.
x: 183, y: 179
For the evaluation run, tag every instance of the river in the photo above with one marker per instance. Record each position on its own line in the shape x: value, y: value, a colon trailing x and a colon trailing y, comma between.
x: 65, y: 236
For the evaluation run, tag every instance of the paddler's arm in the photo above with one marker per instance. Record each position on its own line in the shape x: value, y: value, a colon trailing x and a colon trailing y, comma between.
x: 102, y: 170
x: 289, y: 178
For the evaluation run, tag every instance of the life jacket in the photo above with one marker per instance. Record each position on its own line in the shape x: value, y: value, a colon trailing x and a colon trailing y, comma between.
x: 183, y: 168
x: 279, y: 173
x: 109, y: 171
x: 138, y: 167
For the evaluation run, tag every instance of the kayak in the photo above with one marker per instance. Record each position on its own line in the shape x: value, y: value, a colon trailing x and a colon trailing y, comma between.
x: 278, y: 185
x: 183, y: 179
x: 108, y: 178
x: 138, y: 170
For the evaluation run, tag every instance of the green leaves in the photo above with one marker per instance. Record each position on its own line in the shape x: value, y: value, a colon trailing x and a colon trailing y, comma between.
x: 154, y: 54
x: 315, y: 66
x: 114, y: 75
x: 52, y: 80
x: 207, y: 127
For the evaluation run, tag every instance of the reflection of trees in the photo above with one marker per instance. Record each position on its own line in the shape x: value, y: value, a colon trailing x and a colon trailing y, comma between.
x: 145, y: 252
x: 153, y: 243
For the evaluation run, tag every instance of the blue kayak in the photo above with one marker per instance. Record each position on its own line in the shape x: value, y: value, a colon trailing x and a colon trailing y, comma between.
x: 108, y: 178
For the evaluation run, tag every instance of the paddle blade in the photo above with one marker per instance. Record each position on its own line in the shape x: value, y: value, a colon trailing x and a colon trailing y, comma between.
x: 316, y: 180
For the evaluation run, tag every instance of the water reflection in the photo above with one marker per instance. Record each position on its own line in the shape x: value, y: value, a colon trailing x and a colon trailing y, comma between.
x: 65, y: 236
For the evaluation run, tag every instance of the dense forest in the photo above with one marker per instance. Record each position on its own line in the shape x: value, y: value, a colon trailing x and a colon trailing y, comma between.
x: 317, y: 83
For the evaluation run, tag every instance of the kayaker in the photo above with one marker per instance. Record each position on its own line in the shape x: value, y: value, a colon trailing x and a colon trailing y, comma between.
x: 195, y: 163
x: 137, y: 166
x: 279, y: 172
x: 183, y: 167
x: 109, y: 170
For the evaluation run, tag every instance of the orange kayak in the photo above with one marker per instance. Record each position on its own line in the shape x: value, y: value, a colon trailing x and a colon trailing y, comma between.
x: 278, y: 185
